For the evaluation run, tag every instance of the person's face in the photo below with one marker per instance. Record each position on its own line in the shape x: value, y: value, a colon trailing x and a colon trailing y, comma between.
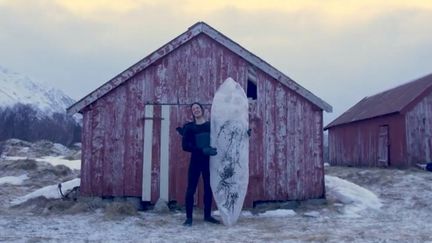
x: 196, y: 111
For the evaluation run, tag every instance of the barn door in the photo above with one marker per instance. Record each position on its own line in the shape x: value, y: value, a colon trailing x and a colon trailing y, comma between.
x: 383, y: 146
x: 155, y: 182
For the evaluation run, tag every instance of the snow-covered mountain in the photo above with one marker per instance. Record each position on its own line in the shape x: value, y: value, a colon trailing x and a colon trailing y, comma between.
x: 18, y: 88
x: 30, y: 110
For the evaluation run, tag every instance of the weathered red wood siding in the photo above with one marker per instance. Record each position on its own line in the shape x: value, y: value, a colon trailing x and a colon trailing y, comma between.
x: 285, y: 147
x: 286, y: 160
x: 86, y: 152
x: 356, y: 144
x: 419, y: 131
x: 112, y: 153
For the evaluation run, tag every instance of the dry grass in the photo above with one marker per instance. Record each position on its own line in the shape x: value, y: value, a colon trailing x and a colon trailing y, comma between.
x: 25, y: 164
x: 119, y: 210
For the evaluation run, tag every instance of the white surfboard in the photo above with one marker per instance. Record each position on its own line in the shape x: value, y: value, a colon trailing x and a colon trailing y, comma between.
x: 229, y: 169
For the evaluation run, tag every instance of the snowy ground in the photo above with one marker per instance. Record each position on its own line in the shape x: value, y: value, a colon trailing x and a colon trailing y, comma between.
x: 364, y: 205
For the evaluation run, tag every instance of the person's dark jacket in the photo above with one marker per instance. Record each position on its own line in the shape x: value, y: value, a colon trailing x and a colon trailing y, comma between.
x: 195, y: 138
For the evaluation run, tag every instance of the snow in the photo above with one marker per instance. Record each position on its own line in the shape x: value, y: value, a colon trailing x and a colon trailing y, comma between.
x: 18, y: 88
x: 278, y: 213
x: 355, y: 197
x: 14, y: 157
x: 60, y: 160
x: 48, y: 191
x: 243, y: 213
x: 13, y: 180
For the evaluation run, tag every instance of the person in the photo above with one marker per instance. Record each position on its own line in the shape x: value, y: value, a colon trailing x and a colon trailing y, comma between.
x: 427, y: 166
x: 196, y: 140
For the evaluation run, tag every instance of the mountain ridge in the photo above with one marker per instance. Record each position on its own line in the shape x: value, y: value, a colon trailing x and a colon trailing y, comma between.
x: 31, y: 111
x: 19, y: 88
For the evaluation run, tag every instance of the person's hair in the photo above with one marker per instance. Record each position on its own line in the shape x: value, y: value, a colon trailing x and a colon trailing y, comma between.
x: 201, y: 106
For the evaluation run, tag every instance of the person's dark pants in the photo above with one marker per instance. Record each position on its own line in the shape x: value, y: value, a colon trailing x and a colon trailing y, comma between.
x: 429, y: 166
x: 196, y: 168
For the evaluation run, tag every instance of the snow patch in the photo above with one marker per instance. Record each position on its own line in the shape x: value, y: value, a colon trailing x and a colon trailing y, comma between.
x: 246, y: 214
x: 60, y: 160
x: 48, y: 191
x: 15, y: 158
x: 13, y: 180
x: 278, y: 213
x: 355, y: 197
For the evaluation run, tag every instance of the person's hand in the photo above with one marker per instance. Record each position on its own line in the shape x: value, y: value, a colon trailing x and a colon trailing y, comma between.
x: 180, y: 131
x: 210, y: 151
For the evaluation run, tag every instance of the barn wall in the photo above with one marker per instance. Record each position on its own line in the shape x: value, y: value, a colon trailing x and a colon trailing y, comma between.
x: 286, y: 160
x: 112, y: 143
x: 285, y: 146
x: 86, y: 152
x: 419, y: 131
x: 356, y: 144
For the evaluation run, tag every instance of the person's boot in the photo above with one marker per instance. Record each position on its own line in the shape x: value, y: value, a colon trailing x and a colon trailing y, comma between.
x: 212, y: 220
x: 421, y: 166
x: 188, y: 222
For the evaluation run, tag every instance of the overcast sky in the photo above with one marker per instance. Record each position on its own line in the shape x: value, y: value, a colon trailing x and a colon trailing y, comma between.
x: 341, y: 50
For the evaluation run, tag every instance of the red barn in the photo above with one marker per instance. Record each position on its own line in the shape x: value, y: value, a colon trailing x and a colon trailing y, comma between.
x: 392, y: 128
x: 130, y: 146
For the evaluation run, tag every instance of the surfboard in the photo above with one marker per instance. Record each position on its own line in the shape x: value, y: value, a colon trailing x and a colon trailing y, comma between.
x: 229, y: 169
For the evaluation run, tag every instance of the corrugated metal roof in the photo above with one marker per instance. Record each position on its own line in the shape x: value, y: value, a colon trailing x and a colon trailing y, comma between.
x: 198, y: 28
x: 391, y: 101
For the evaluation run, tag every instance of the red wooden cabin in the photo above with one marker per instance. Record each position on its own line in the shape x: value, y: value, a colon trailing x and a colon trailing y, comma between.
x: 392, y: 128
x: 130, y: 146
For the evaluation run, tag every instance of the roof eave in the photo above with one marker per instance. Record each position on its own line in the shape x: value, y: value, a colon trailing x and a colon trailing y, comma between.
x: 360, y: 120
x: 417, y: 99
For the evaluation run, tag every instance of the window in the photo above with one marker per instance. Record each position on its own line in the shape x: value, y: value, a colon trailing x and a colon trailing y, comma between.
x: 251, y: 90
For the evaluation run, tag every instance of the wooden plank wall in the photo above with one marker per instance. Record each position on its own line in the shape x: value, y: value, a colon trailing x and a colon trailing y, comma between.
x: 356, y: 144
x: 288, y: 154
x: 419, y: 132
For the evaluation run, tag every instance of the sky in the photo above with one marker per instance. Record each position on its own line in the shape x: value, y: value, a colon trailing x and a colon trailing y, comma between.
x: 340, y: 50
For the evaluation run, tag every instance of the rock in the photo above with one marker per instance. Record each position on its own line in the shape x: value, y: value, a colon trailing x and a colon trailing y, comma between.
x: 161, y: 206
x: 47, y: 148
x: 73, y: 156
